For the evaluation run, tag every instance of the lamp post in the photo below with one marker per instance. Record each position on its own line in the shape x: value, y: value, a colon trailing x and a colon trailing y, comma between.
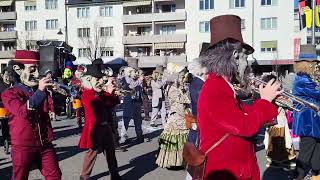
x: 313, y: 37
x: 66, y: 27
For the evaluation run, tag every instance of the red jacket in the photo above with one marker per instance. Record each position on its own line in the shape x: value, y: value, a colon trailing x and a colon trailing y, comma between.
x: 28, y: 126
x: 219, y: 113
x: 97, y: 110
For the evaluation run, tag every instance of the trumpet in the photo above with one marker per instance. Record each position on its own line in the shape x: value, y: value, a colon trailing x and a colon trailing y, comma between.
x: 287, y: 99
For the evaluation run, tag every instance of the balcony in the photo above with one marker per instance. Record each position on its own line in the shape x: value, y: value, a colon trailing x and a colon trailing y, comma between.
x: 8, y: 16
x: 8, y: 35
x: 152, y: 61
x: 154, y: 39
x: 6, y: 54
x: 172, y: 16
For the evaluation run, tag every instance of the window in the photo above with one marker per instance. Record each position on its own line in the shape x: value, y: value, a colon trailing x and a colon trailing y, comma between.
x: 51, y: 4
x: 169, y: 8
x: 106, y: 31
x: 83, y: 12
x: 206, y: 4
x: 106, y: 51
x: 237, y: 3
x: 204, y: 26
x: 269, y: 23
x: 52, y: 24
x: 106, y: 11
x: 9, y: 46
x: 30, y: 8
x: 8, y: 27
x: 269, y: 2
x: 243, y: 24
x: 144, y: 31
x: 31, y: 45
x: 268, y: 46
x: 30, y: 25
x: 83, y: 32
x: 168, y: 29
x: 83, y: 52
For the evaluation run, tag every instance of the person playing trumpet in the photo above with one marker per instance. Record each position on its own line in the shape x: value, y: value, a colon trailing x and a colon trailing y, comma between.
x: 28, y: 104
x: 306, y: 123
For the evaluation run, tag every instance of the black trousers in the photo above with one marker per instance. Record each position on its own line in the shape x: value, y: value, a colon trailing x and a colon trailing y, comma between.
x: 5, y: 129
x: 309, y: 157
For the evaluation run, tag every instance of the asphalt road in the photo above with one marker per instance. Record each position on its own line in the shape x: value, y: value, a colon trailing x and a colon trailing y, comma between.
x: 138, y: 162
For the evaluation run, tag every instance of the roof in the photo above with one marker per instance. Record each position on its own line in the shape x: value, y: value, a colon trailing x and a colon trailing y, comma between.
x: 77, y: 2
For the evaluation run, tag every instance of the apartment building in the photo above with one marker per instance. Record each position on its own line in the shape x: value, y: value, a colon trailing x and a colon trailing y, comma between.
x: 95, y: 30
x: 8, y: 33
x: 40, y: 20
x: 267, y: 25
x: 155, y: 31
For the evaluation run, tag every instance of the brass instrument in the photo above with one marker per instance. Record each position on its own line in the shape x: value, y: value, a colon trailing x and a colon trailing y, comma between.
x: 287, y: 99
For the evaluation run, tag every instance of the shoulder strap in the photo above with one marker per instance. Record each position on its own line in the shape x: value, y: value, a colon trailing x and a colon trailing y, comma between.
x: 217, y: 143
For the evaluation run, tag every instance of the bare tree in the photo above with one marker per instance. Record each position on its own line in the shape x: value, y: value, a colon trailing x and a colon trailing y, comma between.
x: 93, y: 41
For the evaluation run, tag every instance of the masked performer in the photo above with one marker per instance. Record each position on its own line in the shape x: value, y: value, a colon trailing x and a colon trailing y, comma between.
x: 158, y: 98
x: 306, y: 123
x: 31, y: 133
x: 132, y: 103
x: 4, y: 84
x: 223, y: 121
x: 175, y: 132
x: 97, y: 135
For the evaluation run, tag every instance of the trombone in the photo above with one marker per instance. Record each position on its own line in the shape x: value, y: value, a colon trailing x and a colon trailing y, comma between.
x: 292, y: 98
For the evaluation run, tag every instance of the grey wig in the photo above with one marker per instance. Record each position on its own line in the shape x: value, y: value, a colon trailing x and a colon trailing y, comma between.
x: 220, y: 60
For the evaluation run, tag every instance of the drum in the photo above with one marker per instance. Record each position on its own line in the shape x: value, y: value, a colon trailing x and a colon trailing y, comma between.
x: 76, y: 104
x: 3, y: 113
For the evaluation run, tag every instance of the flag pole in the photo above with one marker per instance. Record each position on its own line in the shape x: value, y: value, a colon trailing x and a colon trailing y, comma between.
x: 313, y: 30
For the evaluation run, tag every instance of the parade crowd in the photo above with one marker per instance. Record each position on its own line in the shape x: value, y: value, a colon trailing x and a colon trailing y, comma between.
x: 211, y: 111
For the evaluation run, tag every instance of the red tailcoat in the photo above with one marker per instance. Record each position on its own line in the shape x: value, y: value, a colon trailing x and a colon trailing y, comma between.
x: 219, y: 113
x: 27, y: 127
x: 97, y: 110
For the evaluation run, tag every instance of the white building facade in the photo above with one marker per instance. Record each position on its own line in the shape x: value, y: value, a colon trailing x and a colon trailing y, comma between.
x: 157, y: 31
x: 267, y: 25
x: 95, y: 30
x: 39, y: 20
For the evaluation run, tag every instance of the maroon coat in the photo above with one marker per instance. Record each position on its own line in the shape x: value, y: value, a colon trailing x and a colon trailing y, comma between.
x: 28, y: 127
x: 98, y: 110
x: 219, y: 113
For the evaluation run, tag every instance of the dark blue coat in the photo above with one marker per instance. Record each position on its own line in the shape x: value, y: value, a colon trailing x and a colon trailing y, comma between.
x: 195, y: 88
x: 306, y: 122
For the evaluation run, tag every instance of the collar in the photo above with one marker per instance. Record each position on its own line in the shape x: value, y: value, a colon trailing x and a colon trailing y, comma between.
x: 231, y: 86
x: 200, y: 77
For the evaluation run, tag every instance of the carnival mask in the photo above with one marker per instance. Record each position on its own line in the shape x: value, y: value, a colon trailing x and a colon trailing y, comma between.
x: 244, y: 70
x: 134, y: 74
x: 29, y: 75
x: 67, y: 73
x: 90, y: 82
x: 6, y: 77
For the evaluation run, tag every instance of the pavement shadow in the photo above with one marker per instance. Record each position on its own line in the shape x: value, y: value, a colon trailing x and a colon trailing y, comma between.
x: 67, y: 152
x: 148, y: 137
x: 5, y: 173
x: 61, y: 127
x: 277, y: 174
x: 139, y: 167
x: 67, y: 133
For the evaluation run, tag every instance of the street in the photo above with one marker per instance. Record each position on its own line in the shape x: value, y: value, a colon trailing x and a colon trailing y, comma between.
x: 138, y: 162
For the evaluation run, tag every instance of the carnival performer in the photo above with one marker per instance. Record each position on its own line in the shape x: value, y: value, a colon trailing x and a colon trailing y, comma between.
x: 278, y: 141
x: 158, y: 96
x: 145, y: 97
x: 28, y: 103
x: 306, y: 123
x: 224, y: 122
x: 132, y: 103
x: 175, y: 133
x: 4, y: 84
x: 97, y: 133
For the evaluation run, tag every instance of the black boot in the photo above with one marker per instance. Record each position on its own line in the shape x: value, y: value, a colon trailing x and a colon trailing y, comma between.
x: 115, y: 176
